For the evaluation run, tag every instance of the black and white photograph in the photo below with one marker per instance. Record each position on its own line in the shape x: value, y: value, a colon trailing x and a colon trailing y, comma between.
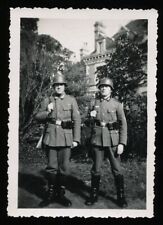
x: 82, y: 112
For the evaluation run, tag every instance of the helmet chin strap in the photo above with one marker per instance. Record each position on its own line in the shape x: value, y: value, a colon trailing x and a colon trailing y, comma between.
x: 107, y: 97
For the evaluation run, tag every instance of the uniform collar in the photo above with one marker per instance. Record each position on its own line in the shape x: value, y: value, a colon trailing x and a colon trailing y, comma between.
x: 107, y: 98
x: 59, y: 97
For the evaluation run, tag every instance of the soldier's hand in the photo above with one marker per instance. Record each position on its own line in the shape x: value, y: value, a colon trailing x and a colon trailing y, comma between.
x: 50, y: 107
x: 74, y: 144
x: 93, y: 113
x: 120, y: 149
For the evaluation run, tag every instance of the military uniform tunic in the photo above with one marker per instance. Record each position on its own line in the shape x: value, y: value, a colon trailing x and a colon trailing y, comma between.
x: 64, y: 109
x: 109, y: 111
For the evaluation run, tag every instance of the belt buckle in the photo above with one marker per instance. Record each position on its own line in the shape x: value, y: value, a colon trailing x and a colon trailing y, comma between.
x: 58, y: 122
x: 111, y: 126
x: 103, y: 124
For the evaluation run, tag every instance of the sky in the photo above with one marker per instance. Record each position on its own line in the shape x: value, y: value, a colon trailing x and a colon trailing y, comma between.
x: 72, y: 33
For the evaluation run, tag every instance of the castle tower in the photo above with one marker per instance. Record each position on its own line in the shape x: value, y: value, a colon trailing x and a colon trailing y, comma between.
x: 84, y: 50
x: 100, y: 42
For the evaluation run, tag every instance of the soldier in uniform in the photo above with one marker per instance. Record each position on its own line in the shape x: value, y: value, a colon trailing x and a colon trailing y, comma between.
x: 109, y: 136
x: 62, y: 132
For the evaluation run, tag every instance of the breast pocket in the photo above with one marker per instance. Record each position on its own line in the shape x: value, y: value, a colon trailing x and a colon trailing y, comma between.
x: 112, y: 115
x: 67, y: 112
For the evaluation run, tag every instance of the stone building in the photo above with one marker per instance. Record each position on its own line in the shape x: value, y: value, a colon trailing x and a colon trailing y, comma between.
x: 137, y: 31
x: 103, y: 47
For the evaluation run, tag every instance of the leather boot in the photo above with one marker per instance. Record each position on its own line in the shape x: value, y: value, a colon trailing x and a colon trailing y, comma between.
x: 61, y: 199
x: 121, y: 200
x: 51, y: 193
x: 50, y: 196
x: 61, y: 190
x: 95, y: 182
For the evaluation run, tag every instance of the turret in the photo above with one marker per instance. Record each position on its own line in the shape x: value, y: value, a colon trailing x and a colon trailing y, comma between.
x: 100, y: 42
x: 84, y: 50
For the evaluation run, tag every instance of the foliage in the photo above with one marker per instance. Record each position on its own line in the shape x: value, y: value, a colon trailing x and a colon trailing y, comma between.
x: 76, y: 78
x: 126, y: 66
x: 136, y: 116
x: 29, y: 24
x: 77, y: 85
x: 40, y: 58
x: 27, y: 59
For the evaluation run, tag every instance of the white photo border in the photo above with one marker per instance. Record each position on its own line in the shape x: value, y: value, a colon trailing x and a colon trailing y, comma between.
x: 13, y: 136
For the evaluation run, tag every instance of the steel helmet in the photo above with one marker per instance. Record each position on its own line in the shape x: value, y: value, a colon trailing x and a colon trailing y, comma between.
x: 59, y: 79
x: 106, y: 81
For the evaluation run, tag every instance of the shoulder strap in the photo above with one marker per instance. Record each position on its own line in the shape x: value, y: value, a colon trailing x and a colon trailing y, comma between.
x: 93, y: 103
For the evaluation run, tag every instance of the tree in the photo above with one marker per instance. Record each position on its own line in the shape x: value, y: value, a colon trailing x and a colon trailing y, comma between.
x: 27, y: 59
x: 76, y: 77
x: 40, y: 58
x: 125, y: 67
x: 77, y: 84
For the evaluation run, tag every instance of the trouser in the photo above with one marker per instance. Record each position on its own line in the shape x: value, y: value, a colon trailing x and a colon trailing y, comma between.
x: 57, y: 168
x: 58, y: 163
x: 98, y: 154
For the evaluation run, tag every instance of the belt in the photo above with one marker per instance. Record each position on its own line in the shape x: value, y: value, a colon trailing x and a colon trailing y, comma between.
x: 110, y: 125
x: 56, y: 122
x: 64, y: 124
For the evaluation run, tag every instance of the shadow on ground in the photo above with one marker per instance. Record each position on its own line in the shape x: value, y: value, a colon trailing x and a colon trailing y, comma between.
x: 36, y: 184
x: 33, y: 184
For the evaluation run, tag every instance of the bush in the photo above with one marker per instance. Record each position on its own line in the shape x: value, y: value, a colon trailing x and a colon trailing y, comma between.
x: 136, y: 117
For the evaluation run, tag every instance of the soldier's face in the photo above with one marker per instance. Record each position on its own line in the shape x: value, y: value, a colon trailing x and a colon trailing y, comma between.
x: 105, y: 90
x: 59, y: 89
